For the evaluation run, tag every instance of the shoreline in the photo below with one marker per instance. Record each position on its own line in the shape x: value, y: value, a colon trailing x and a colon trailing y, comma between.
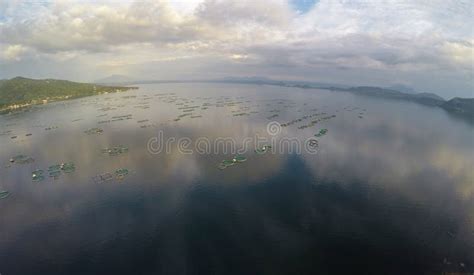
x: 21, y: 106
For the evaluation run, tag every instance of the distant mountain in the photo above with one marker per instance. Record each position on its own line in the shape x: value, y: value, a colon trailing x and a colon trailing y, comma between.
x: 430, y: 95
x: 402, y: 88
x: 422, y: 98
x: 248, y: 79
x: 370, y: 90
x: 407, y: 93
x: 20, y: 91
x: 269, y: 81
x: 460, y: 106
x: 115, y: 79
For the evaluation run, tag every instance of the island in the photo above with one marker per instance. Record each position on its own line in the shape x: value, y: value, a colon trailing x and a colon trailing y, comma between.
x: 21, y: 92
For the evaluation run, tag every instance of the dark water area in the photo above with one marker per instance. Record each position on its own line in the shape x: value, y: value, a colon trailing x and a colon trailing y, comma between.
x: 389, y: 191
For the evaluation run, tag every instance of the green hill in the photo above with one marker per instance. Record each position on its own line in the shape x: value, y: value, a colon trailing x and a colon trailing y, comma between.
x: 19, y: 91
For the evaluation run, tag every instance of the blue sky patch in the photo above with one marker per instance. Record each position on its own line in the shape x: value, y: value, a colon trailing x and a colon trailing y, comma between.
x: 303, y: 6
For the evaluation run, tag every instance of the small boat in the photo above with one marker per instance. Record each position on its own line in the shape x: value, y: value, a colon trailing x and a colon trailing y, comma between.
x: 4, y: 194
x: 239, y: 159
x: 263, y: 150
x: 321, y: 133
x: 37, y: 175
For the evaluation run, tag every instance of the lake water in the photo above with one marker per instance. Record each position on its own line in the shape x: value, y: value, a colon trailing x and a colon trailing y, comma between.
x: 388, y: 190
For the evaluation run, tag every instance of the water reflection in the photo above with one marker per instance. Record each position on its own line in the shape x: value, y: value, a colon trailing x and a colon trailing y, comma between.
x: 391, y: 192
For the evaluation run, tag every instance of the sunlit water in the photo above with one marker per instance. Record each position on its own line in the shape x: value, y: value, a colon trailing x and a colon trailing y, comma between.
x: 389, y: 192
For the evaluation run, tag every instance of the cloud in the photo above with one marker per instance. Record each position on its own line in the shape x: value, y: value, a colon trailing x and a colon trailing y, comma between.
x: 246, y: 12
x: 95, y: 27
x: 461, y: 52
x: 13, y: 52
x: 394, y: 36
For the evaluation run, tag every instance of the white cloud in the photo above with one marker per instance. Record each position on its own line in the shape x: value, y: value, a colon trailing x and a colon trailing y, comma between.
x: 394, y: 37
x: 13, y: 52
x: 460, y: 52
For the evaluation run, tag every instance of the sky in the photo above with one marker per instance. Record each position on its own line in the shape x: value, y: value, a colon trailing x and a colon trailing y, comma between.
x: 423, y: 44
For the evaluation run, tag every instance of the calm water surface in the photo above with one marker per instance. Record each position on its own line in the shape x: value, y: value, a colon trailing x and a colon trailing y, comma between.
x: 390, y: 192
